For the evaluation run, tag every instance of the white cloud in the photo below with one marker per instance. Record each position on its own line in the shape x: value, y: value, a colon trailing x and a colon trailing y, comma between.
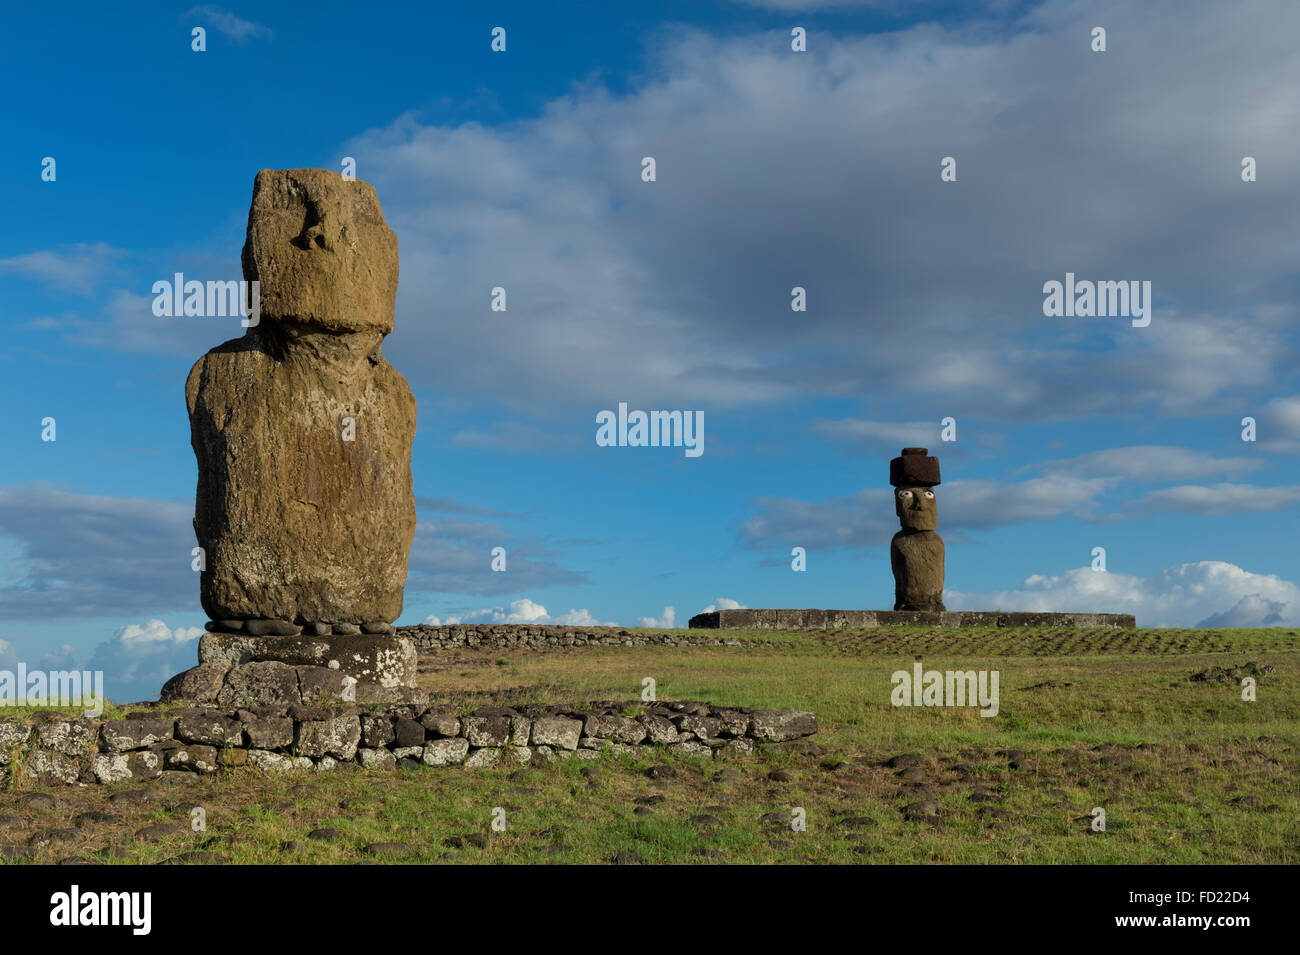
x: 1158, y: 463
x: 694, y: 267
x: 228, y: 24
x: 1202, y: 594
x: 664, y: 621
x: 85, y: 555
x: 723, y: 603
x: 140, y: 658
x: 523, y: 611
x: 8, y: 656
x: 1220, y: 499
x: 78, y: 268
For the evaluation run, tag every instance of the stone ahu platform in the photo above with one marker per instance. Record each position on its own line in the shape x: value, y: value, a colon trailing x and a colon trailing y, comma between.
x: 175, y: 744
x: 835, y: 619
x: 237, y: 669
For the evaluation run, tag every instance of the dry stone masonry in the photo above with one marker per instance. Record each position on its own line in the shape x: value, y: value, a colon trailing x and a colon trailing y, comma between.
x: 155, y: 744
x: 782, y: 619
x: 428, y: 638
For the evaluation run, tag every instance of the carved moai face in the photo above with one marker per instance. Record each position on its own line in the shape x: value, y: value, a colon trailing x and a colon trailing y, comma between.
x: 320, y: 248
x: 916, y: 508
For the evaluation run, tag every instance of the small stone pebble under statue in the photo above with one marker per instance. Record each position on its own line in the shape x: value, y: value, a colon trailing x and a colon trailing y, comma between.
x: 916, y: 552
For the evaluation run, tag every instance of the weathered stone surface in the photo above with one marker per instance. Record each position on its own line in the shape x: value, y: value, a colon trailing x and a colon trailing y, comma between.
x: 71, y: 738
x: 197, y: 757
x: 121, y: 767
x: 778, y: 725
x: 658, y: 728
x: 11, y: 735
x: 917, y: 559
x: 440, y: 723
x: 200, y: 684
x: 445, y: 752
x: 732, y: 723
x: 268, y: 761
x: 618, y: 728
x: 203, y: 740
x: 557, y: 731
x: 520, y: 729
x: 257, y: 683
x: 323, y: 685
x: 211, y: 729
x: 270, y: 732
x: 773, y: 619
x: 301, y: 429
x: 486, y: 730
x: 482, y: 758
x: 704, y: 727
x: 119, y: 736
x: 337, y: 737
x: 272, y: 628
x: 376, y: 758
x: 386, y: 660
x: 408, y: 732
x: 48, y: 766
x: 377, y: 731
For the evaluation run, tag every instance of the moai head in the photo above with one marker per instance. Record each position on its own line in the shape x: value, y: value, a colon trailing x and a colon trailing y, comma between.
x: 914, y: 475
x: 319, y: 247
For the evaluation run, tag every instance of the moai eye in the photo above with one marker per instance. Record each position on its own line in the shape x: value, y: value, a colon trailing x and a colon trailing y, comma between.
x: 929, y: 494
x: 904, y: 495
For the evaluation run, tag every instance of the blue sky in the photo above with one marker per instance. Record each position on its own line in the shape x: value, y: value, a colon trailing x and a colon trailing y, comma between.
x: 775, y: 169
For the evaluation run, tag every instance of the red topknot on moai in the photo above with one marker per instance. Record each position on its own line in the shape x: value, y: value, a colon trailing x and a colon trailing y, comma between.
x: 916, y: 552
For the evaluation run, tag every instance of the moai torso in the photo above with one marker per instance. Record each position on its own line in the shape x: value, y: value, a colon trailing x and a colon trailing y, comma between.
x: 301, y: 429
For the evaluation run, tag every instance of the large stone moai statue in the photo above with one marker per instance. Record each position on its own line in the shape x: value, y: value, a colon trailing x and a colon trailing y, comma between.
x: 916, y: 552
x: 301, y: 429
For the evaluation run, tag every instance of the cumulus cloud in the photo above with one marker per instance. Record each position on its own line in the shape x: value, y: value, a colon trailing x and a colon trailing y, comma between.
x: 8, y: 656
x: 523, y: 611
x: 88, y: 555
x: 140, y: 658
x: 723, y: 603
x: 665, y: 620
x: 1201, y: 594
x: 755, y: 147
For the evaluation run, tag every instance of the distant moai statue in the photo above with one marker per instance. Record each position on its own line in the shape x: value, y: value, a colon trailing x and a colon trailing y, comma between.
x: 916, y: 552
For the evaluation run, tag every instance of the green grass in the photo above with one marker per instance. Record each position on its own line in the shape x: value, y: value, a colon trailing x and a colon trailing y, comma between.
x: 1186, y: 771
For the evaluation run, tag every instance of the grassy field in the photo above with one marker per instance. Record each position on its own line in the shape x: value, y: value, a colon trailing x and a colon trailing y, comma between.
x: 1186, y: 771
